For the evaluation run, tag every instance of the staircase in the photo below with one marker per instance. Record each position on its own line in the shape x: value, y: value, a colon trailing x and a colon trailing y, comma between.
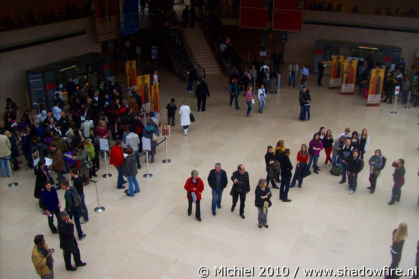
x: 201, y: 51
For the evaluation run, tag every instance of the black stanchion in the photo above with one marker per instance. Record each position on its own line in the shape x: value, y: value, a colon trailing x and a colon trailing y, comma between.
x: 99, y: 208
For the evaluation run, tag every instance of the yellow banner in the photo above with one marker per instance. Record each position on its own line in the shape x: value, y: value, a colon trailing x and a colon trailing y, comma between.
x: 131, y: 73
x: 336, y: 72
x: 155, y: 98
x: 349, y: 76
x: 143, y: 89
x: 376, y: 86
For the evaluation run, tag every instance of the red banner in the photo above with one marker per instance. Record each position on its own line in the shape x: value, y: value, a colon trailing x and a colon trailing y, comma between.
x: 287, y: 20
x: 285, y: 4
x: 251, y: 4
x: 255, y: 18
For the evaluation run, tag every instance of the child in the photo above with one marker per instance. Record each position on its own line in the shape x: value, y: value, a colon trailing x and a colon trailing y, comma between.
x: 171, y: 110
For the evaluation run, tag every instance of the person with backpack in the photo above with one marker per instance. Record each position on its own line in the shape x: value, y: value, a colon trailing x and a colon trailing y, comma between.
x: 78, y: 184
x: 129, y: 169
x: 72, y: 205
x: 355, y: 165
x: 377, y: 163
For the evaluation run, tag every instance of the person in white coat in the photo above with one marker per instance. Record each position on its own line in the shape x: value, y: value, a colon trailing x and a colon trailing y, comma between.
x: 185, y: 119
x: 261, y: 97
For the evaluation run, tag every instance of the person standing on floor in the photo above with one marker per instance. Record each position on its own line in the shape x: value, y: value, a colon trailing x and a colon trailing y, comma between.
x: 249, y: 100
x: 261, y: 97
x: 301, y: 167
x: 417, y: 262
x: 132, y: 140
x: 263, y: 202
x: 345, y: 154
x: 78, y: 184
x: 58, y: 164
x: 241, y: 186
x: 117, y: 159
x: 376, y: 163
x: 234, y: 90
x: 364, y: 142
x: 321, y: 66
x: 202, y: 93
x: 129, y: 170
x: 339, y: 142
x: 68, y: 242
x: 185, y: 16
x: 398, y: 177
x: 286, y: 174
x: 194, y: 188
x: 315, y: 146
x: 185, y: 117
x: 355, y: 166
x: 193, y: 75
x: 151, y: 131
x: 399, y: 235
x: 307, y: 104
x: 304, y: 76
x: 49, y: 199
x: 171, y: 112
x: 328, y: 146
x: 217, y: 180
x: 42, y: 258
x: 293, y: 69
x: 5, y: 152
x: 72, y: 205
x: 301, y: 101
x: 272, y: 166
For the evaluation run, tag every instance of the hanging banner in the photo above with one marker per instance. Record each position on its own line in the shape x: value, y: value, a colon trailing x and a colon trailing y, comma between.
x: 349, y: 77
x: 130, y: 17
x: 143, y: 89
x: 131, y: 73
x: 336, y: 72
x: 155, y: 98
x: 106, y: 18
x: 376, y: 87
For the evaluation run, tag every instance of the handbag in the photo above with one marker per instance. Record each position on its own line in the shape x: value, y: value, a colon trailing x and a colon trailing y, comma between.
x: 253, y: 101
x: 311, y: 151
x: 192, y: 118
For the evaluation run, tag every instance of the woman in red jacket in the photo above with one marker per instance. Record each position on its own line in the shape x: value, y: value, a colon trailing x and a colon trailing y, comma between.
x: 117, y: 159
x: 194, y: 188
x: 302, y: 159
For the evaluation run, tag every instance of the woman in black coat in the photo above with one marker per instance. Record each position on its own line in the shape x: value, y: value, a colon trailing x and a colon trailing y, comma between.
x: 286, y: 174
x: 42, y: 177
x: 263, y: 202
x: 396, y: 248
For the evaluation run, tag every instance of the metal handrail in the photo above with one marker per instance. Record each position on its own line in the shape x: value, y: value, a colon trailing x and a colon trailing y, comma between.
x: 173, y: 59
x: 197, y: 66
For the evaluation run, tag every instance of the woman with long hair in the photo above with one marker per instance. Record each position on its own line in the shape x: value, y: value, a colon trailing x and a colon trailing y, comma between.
x: 278, y: 153
x: 399, y: 235
x: 263, y: 202
x: 328, y: 146
x: 364, y: 141
x: 249, y: 99
x: 302, y: 159
x: 322, y: 132
x: 315, y: 146
x: 355, y: 140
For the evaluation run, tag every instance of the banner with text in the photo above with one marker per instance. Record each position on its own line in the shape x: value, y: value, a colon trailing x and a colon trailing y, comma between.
x: 376, y: 87
x: 336, y: 72
x: 349, y: 76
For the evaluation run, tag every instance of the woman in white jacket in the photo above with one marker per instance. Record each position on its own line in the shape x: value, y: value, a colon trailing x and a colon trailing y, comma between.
x: 185, y: 119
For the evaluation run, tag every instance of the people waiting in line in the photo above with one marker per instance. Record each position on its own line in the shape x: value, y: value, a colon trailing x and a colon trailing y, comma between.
x: 73, y: 205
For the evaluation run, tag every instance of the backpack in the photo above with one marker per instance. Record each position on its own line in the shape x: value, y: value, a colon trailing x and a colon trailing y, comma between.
x: 75, y: 197
x: 384, y: 160
x: 336, y: 170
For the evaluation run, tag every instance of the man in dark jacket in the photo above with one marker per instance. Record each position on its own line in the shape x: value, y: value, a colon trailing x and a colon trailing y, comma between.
x: 301, y: 100
x: 78, y: 184
x: 286, y: 174
x: 398, y: 177
x: 71, y: 207
x: 241, y: 186
x: 68, y: 242
x: 217, y: 180
x: 345, y: 155
x: 355, y: 165
x: 202, y: 93
x: 272, y: 166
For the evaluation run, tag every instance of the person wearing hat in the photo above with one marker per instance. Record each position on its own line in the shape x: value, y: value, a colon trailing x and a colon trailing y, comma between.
x: 68, y: 242
x: 42, y: 258
x: 194, y: 188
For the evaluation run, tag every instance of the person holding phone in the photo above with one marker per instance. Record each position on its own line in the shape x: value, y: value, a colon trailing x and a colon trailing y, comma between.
x: 42, y: 258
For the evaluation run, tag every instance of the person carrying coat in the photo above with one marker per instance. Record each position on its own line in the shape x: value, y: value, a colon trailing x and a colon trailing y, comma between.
x: 129, y: 169
x: 241, y: 186
x: 217, y: 180
x: 202, y: 93
x: 263, y: 202
x: 194, y: 188
x: 68, y: 242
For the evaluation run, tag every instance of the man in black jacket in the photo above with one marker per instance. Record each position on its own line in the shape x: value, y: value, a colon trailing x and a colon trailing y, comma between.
x: 68, y: 242
x: 217, y: 180
x: 241, y: 186
x: 271, y: 167
x: 202, y: 93
x: 355, y: 165
x: 345, y: 155
x: 301, y: 100
x: 286, y: 174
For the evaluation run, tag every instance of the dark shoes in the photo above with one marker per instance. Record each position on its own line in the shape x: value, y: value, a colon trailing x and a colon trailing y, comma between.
x: 199, y: 219
x: 120, y: 187
x: 71, y: 268
x: 83, y: 236
x: 219, y: 206
x: 286, y: 200
x: 342, y: 182
x: 266, y: 226
x: 213, y: 214
x: 390, y: 203
x: 242, y: 215
x: 260, y: 226
x: 232, y: 208
x: 81, y: 264
x: 316, y: 171
x: 189, y: 213
x: 276, y: 187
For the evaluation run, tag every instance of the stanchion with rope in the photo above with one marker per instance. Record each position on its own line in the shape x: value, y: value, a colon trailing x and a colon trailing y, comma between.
x: 104, y: 147
x: 98, y: 208
x: 147, y: 147
x: 165, y: 132
x: 13, y: 183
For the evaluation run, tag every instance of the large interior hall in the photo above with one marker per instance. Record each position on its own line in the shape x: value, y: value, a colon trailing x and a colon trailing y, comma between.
x: 67, y: 68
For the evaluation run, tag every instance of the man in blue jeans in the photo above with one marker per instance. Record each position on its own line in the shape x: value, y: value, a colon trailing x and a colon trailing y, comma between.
x: 293, y: 69
x: 71, y: 206
x: 345, y: 155
x: 217, y: 180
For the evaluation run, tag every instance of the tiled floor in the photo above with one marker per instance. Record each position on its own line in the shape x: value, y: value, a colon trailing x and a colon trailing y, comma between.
x: 151, y: 236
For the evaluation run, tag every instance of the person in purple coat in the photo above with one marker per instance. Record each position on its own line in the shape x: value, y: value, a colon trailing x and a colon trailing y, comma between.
x: 315, y: 146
